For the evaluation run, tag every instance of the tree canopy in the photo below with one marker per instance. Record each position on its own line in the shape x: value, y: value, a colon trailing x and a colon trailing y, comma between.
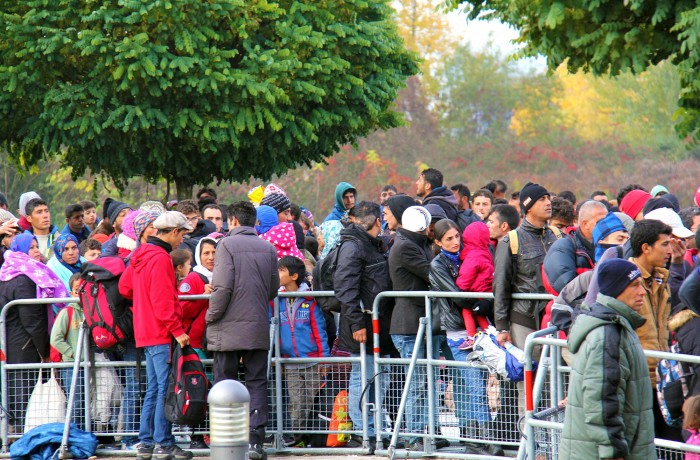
x: 609, y: 37
x: 195, y: 91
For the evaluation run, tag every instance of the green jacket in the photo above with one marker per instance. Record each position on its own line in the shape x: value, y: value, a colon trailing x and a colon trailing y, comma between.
x: 609, y: 408
x: 64, y: 336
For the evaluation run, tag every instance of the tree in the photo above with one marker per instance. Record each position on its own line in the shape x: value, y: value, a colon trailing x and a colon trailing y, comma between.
x: 606, y: 37
x: 195, y: 91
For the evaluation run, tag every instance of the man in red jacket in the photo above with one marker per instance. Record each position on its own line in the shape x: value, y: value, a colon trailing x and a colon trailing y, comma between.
x: 150, y: 282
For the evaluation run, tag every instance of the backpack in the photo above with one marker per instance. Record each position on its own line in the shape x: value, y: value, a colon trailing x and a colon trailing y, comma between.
x: 107, y: 313
x: 323, y: 274
x: 672, y: 388
x: 54, y: 353
x: 186, y: 398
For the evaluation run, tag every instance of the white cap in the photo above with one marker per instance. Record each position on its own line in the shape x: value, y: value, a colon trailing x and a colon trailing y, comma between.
x: 172, y: 219
x: 669, y: 217
x: 415, y: 219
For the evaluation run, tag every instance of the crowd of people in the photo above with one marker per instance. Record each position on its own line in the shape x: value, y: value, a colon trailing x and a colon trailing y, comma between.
x: 624, y: 271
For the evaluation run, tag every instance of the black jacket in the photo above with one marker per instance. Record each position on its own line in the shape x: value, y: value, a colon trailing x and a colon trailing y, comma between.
x: 442, y: 278
x: 409, y: 266
x: 27, y: 325
x: 362, y: 273
x: 443, y: 197
x: 567, y: 258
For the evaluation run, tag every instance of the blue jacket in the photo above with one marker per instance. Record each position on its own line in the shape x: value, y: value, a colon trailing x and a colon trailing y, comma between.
x: 305, y: 337
x: 339, y: 209
x: 82, y: 236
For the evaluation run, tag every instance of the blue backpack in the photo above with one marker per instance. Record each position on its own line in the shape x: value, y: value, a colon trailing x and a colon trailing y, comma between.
x: 672, y: 388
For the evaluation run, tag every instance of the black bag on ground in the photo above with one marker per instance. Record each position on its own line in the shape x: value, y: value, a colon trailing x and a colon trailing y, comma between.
x: 186, y: 399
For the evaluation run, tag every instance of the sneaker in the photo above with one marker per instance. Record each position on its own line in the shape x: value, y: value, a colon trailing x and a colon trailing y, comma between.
x: 354, y: 442
x: 143, y: 452
x: 467, y: 344
x: 441, y: 443
x: 256, y: 452
x: 416, y: 446
x: 171, y: 453
x: 198, y: 444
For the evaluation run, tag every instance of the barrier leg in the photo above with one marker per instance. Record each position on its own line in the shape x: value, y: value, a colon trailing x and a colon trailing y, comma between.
x: 430, y: 375
x: 532, y: 399
x: 65, y: 453
x: 274, y: 334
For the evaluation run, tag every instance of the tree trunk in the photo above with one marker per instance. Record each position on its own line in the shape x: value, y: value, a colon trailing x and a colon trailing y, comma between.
x: 184, y: 188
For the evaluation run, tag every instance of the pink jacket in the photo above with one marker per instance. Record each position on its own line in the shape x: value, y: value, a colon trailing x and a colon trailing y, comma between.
x: 284, y: 239
x: 476, y: 271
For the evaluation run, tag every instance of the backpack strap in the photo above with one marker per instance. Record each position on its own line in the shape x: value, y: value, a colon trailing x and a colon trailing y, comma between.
x: 514, y: 245
x: 558, y: 233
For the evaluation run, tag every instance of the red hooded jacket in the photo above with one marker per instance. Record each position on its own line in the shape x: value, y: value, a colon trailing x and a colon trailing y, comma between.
x: 193, y: 311
x: 150, y: 281
x: 476, y: 270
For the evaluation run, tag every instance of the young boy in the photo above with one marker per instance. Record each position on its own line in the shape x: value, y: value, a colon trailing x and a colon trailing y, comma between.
x: 64, y: 338
x: 182, y: 262
x: 302, y: 335
x: 90, y: 216
x: 90, y: 249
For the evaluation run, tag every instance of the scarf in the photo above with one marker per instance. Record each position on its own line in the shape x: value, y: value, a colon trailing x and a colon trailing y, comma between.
x: 199, y: 268
x: 60, y: 246
x: 452, y: 256
x: 48, y: 285
x: 21, y: 242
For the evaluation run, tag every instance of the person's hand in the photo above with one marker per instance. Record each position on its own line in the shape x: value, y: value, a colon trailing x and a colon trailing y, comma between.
x: 9, y: 227
x: 678, y: 249
x: 563, y: 402
x: 208, y: 288
x: 360, y: 335
x: 502, y: 338
x: 46, y: 360
x: 183, y: 340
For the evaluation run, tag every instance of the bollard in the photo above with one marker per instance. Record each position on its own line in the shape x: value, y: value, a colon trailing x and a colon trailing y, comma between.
x: 229, y: 421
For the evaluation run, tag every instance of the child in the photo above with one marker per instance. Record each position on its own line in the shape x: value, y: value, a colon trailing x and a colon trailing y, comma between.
x: 302, y: 335
x: 182, y: 262
x: 691, y: 422
x: 90, y: 249
x: 475, y: 274
x: 64, y: 338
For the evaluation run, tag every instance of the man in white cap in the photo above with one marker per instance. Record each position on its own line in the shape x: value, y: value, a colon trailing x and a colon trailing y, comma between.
x: 150, y: 281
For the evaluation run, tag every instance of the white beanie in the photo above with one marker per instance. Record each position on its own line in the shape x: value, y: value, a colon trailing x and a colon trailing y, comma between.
x: 416, y: 219
x: 24, y: 199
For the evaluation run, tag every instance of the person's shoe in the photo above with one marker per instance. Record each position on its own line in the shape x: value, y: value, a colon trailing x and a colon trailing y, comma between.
x: 495, y: 450
x: 198, y: 444
x: 171, y: 453
x: 386, y: 442
x: 354, y: 442
x: 143, y: 452
x: 256, y: 452
x: 416, y: 446
x: 467, y: 344
x: 296, y: 441
x: 441, y: 443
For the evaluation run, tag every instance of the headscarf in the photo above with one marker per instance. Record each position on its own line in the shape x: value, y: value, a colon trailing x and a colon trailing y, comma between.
x: 22, y: 242
x: 331, y: 235
x: 267, y: 216
x: 199, y: 268
x: 60, y: 246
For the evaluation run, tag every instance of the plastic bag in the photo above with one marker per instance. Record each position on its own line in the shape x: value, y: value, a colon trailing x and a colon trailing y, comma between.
x: 47, y: 403
x: 508, y: 361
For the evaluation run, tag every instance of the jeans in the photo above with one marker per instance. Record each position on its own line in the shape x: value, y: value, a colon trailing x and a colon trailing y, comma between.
x: 130, y: 400
x: 355, y: 388
x: 155, y: 428
x: 469, y: 387
x: 417, y: 398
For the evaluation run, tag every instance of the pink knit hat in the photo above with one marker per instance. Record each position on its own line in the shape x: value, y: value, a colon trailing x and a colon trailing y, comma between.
x: 128, y: 224
x: 696, y: 198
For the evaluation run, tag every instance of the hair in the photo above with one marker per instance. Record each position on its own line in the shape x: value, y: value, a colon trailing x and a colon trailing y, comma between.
x: 647, y: 231
x: 515, y: 195
x: 103, y: 228
x: 483, y: 192
x: 213, y: 206
x: 587, y: 208
x: 499, y: 201
x: 365, y: 213
x: 508, y: 214
x: 295, y: 211
x: 388, y: 187
x: 491, y: 187
x: 75, y: 278
x: 244, y: 212
x: 33, y: 204
x: 568, y: 195
x: 207, y: 241
x: 209, y: 191
x: 306, y: 220
x: 462, y: 190
x: 442, y: 227
x: 500, y: 185
x: 187, y: 207
x: 687, y: 215
x: 311, y: 245
x: 89, y: 245
x: 294, y: 265
x: 625, y: 190
x: 87, y: 205
x: 563, y: 209
x: 180, y: 257
x: 72, y: 209
x: 433, y: 177
x: 691, y: 413
x: 204, y: 202
x: 597, y: 193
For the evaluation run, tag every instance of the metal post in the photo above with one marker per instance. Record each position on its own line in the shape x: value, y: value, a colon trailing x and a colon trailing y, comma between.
x: 65, y: 453
x: 87, y: 370
x: 4, y: 418
x: 229, y: 415
x: 279, y: 439
x: 363, y: 378
x: 429, y: 375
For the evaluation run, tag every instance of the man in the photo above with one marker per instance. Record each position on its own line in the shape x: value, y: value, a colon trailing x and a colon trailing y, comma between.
x: 214, y: 213
x: 633, y: 204
x: 75, y: 222
x: 281, y: 204
x: 482, y: 201
x: 514, y: 199
x: 116, y: 212
x: 39, y: 218
x: 429, y: 187
x: 245, y: 279
x: 462, y: 195
x: 691, y: 219
x: 345, y: 196
x: 502, y: 219
x: 3, y: 202
x: 150, y: 281
x: 387, y: 192
x: 207, y: 192
x: 569, y: 257
x: 394, y: 208
x: 563, y: 214
x: 599, y: 195
x: 25, y: 198
x: 190, y: 210
x: 497, y: 188
x: 609, y: 407
x: 362, y: 273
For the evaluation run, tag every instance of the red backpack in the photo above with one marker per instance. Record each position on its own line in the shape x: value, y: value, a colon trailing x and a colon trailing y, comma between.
x: 107, y: 313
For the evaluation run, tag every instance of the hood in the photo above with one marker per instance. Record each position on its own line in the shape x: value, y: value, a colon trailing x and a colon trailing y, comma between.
x: 340, y: 190
x: 476, y: 236
x: 678, y: 320
x: 199, y: 268
x: 141, y: 258
x: 284, y: 239
x: 441, y: 193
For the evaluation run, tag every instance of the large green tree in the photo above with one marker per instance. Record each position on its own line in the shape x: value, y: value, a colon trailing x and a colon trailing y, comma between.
x: 608, y: 37
x: 195, y: 91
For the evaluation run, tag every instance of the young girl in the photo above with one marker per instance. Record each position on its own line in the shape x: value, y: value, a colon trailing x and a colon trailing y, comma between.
x: 691, y: 422
x: 182, y: 262
x: 475, y: 274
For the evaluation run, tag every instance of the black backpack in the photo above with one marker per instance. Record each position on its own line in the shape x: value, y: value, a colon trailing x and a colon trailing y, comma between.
x: 323, y: 274
x: 186, y: 399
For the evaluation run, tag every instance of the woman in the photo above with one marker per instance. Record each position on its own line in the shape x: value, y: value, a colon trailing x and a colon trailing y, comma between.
x: 468, y: 384
x: 24, y: 276
x: 8, y: 230
x: 67, y: 260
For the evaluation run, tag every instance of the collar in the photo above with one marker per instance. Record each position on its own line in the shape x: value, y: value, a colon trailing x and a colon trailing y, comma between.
x: 154, y: 240
x: 588, y: 244
x: 530, y: 227
x: 417, y: 238
x: 634, y: 318
x: 243, y: 230
x: 659, y: 272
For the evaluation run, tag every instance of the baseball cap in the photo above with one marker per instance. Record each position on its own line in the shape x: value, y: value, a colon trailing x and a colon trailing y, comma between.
x: 172, y: 219
x: 670, y: 217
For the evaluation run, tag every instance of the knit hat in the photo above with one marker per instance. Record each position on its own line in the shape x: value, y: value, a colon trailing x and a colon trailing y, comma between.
x: 143, y: 220
x: 105, y: 207
x: 24, y: 199
x: 530, y: 194
x: 128, y: 224
x: 273, y: 188
x: 152, y: 206
x: 656, y: 203
x: 436, y: 212
x: 398, y: 204
x: 415, y: 219
x: 673, y: 200
x: 267, y: 216
x: 696, y: 198
x: 115, y: 207
x: 626, y: 220
x: 277, y: 201
x: 658, y: 189
x: 614, y: 275
x: 607, y: 226
x: 634, y: 202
